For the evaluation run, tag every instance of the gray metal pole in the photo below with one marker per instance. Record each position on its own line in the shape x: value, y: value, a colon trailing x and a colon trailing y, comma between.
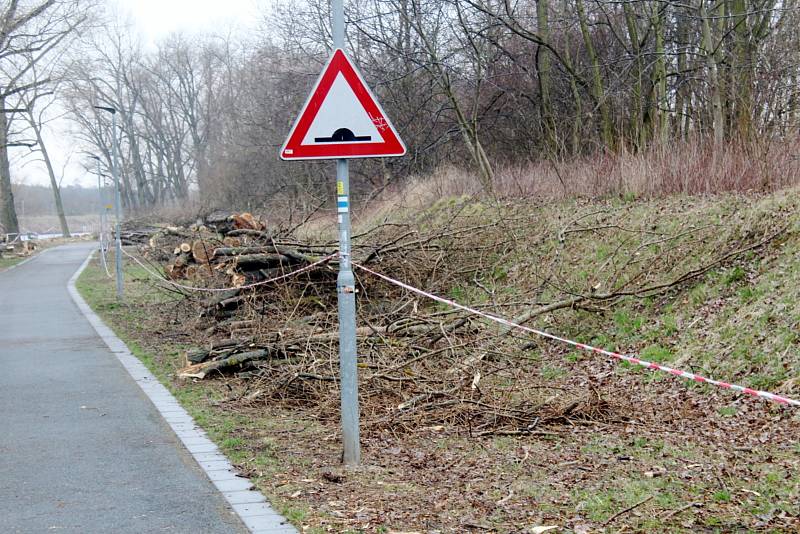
x: 337, y: 23
x: 346, y: 290
x: 117, y: 203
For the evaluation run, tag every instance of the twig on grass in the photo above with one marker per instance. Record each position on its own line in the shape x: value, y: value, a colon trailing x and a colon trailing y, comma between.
x: 626, y: 510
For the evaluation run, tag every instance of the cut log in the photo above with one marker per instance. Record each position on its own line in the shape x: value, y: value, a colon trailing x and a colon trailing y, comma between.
x: 220, y: 221
x: 202, y: 251
x: 204, y: 271
x: 177, y: 270
x: 229, y: 241
x: 199, y: 272
x: 295, y: 255
x: 255, y: 261
x: 233, y: 302
x: 256, y: 275
x: 197, y: 356
x: 185, y: 247
x: 249, y: 233
x: 217, y: 217
x: 238, y: 251
x: 220, y: 296
x: 216, y: 349
x: 201, y: 370
x: 174, y: 272
x: 247, y: 221
x: 182, y: 260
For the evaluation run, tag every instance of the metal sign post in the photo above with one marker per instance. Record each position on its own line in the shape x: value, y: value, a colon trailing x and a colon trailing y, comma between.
x: 342, y: 119
x: 346, y: 290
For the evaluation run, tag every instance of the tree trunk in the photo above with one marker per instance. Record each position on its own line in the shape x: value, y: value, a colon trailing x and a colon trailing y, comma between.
x: 577, y: 123
x: 543, y: 68
x: 680, y: 126
x: 637, y: 133
x: 660, y: 98
x: 62, y: 219
x: 741, y: 71
x: 8, y: 213
x: 717, y: 118
x: 597, y: 80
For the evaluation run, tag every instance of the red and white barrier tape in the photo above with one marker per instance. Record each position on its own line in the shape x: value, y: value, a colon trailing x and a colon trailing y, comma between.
x: 104, y: 257
x: 215, y: 289
x: 630, y: 359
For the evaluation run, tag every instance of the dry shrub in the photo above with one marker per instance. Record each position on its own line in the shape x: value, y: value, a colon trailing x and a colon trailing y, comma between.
x: 689, y: 167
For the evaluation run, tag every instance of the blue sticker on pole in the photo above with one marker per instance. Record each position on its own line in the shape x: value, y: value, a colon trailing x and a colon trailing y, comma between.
x: 343, y: 204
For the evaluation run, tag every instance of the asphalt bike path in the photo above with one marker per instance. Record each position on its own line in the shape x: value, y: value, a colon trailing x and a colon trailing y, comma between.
x: 82, y: 448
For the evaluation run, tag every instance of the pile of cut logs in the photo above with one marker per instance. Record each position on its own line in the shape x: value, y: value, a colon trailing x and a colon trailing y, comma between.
x: 419, y: 364
x: 17, y: 248
x: 233, y: 248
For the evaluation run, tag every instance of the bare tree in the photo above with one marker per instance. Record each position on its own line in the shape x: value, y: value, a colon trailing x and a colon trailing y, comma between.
x: 37, y: 103
x: 29, y: 33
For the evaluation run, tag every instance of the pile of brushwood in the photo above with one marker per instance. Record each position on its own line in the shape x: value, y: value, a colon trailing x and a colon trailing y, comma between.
x: 423, y: 364
x: 17, y: 248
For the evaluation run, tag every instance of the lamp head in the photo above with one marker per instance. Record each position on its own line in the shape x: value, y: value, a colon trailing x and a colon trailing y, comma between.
x: 106, y: 108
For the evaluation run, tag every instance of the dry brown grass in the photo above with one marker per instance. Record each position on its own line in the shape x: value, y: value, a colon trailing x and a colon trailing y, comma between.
x: 685, y: 168
x: 688, y: 168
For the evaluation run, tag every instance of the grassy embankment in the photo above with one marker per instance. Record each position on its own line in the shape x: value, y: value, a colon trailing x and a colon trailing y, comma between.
x: 669, y: 456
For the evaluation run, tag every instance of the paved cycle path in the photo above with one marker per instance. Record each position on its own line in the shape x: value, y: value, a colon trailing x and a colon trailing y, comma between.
x: 82, y: 449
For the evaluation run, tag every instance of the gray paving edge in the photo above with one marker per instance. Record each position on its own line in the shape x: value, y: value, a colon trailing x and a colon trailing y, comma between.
x: 251, y: 506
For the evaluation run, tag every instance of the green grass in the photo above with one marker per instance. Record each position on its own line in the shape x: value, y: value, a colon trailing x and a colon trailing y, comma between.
x: 7, y: 262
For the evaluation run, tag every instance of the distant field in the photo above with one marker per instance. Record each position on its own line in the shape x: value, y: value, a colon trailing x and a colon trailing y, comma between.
x: 49, y: 223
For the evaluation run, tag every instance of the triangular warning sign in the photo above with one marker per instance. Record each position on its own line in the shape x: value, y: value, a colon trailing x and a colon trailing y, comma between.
x: 341, y: 119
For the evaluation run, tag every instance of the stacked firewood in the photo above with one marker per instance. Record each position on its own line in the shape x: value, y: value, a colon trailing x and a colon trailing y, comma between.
x: 18, y: 248
x: 234, y: 248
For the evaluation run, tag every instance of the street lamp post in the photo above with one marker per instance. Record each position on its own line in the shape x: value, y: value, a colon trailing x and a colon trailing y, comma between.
x: 117, y: 198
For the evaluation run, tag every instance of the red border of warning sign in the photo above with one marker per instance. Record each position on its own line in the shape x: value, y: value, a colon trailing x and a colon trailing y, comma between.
x: 293, y: 149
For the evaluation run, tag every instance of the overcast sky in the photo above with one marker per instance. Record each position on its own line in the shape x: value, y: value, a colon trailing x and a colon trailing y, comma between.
x: 154, y: 19
x: 158, y: 18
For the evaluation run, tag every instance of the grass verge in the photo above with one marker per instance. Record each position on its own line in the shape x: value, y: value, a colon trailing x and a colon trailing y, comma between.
x: 7, y: 263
